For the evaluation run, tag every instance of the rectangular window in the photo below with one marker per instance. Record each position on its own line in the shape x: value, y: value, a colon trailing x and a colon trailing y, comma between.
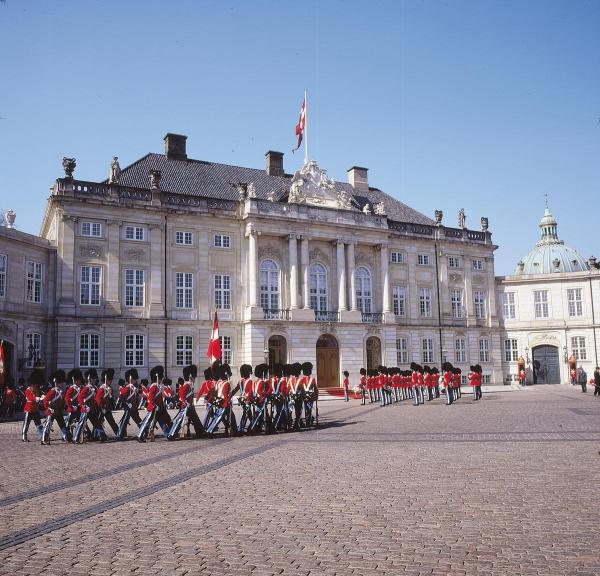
x: 423, y: 259
x: 460, y: 350
x: 2, y: 275
x: 33, y: 348
x: 184, y: 350
x: 89, y: 350
x: 453, y: 262
x: 93, y: 229
x: 222, y: 241
x: 226, y: 350
x: 479, y: 304
x: 484, y: 350
x: 575, y: 302
x: 399, y: 300
x: 34, y: 282
x: 425, y: 302
x: 510, y: 350
x: 486, y: 378
x: 477, y: 264
x: 134, y: 350
x: 397, y: 257
x: 456, y: 299
x: 89, y: 287
x: 134, y: 288
x: 427, y: 350
x: 540, y: 298
x: 508, y: 305
x: 401, y: 351
x: 222, y: 292
x: 184, y: 288
x: 578, y: 347
x: 134, y: 233
x: 183, y: 238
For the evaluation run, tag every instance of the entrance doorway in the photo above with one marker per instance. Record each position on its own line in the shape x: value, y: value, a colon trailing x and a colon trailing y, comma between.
x: 328, y: 362
x: 277, y: 351
x: 546, y: 367
x: 8, y: 350
x: 373, y: 352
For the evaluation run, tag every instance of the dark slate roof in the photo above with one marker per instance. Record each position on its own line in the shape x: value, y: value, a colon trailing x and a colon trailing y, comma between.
x: 212, y: 180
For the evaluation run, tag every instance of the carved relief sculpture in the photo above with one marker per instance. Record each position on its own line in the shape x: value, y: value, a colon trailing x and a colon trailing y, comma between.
x: 310, y: 185
x: 344, y: 200
x: 90, y: 251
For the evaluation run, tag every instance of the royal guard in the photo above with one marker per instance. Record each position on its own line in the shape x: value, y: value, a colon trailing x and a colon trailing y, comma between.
x: 54, y: 405
x: 154, y: 407
x: 522, y: 377
x: 362, y: 386
x: 472, y: 378
x: 478, y: 378
x: 346, y: 384
x: 297, y: 393
x: 144, y: 387
x: 311, y: 394
x: 75, y: 377
x: 222, y: 402
x: 415, y: 383
x: 259, y: 397
x: 370, y: 389
x: 187, y: 408
x: 245, y: 397
x: 279, y: 397
x: 207, y: 392
x: 435, y: 376
x: 89, y: 411
x: 32, y: 410
x: 427, y: 382
x: 382, y: 385
x: 448, y: 373
x: 129, y: 399
x: 104, y: 399
x: 456, y: 382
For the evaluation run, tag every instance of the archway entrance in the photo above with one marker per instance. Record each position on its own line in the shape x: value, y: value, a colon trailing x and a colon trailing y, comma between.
x: 277, y: 351
x: 546, y: 367
x: 328, y: 362
x: 8, y: 350
x: 373, y: 352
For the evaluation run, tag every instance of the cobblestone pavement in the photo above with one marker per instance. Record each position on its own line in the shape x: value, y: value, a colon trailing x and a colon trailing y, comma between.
x: 503, y: 486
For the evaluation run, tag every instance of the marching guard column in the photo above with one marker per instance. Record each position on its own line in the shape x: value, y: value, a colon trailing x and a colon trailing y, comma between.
x: 293, y: 247
x: 341, y: 276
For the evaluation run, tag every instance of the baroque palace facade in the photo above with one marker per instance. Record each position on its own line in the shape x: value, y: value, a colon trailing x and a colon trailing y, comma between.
x: 127, y: 272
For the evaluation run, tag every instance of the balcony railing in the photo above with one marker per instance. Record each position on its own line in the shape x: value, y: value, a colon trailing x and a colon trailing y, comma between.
x: 276, y: 314
x: 327, y: 316
x: 372, y: 317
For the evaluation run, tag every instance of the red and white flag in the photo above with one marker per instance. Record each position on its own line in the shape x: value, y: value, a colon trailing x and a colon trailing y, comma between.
x: 301, y: 124
x: 214, y: 344
x: 1, y: 362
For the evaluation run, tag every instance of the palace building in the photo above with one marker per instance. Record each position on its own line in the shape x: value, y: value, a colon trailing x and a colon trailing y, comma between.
x: 128, y: 272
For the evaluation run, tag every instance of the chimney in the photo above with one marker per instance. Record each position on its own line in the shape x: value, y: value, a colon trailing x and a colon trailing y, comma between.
x: 175, y: 147
x: 274, y: 163
x: 358, y: 179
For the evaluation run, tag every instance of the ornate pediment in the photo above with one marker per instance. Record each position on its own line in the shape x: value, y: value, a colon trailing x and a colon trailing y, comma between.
x: 311, y: 185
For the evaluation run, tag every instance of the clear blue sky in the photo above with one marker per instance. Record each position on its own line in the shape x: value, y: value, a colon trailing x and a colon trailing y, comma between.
x: 475, y: 104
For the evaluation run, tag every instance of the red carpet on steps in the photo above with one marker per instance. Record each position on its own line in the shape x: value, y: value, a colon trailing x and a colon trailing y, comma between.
x: 338, y: 392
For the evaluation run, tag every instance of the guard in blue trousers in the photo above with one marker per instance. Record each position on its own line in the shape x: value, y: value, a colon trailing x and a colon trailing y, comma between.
x: 33, y: 397
x: 187, y: 408
x: 54, y: 404
x: 245, y: 397
x: 129, y: 398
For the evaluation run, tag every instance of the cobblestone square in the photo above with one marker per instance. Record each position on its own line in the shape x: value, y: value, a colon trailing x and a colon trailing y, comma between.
x: 503, y: 486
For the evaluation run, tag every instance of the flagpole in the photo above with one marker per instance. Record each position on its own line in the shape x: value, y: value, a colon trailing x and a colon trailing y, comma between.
x: 305, y: 129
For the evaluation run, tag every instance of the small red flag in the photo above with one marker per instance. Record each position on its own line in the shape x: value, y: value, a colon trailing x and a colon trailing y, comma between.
x: 214, y: 344
x: 301, y: 124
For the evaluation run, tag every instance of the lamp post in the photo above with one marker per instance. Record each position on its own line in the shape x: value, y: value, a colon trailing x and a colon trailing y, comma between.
x: 444, y: 354
x: 527, y: 355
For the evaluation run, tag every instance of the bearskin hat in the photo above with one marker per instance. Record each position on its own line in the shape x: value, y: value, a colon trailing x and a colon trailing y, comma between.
x: 158, y: 372
x: 91, y: 374
x: 245, y: 371
x: 478, y: 368
x: 381, y: 369
x: 297, y: 369
x: 307, y: 368
x: 59, y: 376
x: 75, y: 375
x: 457, y: 370
x: 108, y: 374
x: 226, y: 369
x: 208, y: 374
x: 426, y: 369
x: 167, y: 381
x: 435, y: 370
x: 287, y: 370
x: 278, y: 370
x: 190, y: 371
x: 363, y: 372
x: 36, y: 377
x: 447, y: 366
x: 131, y: 373
x: 346, y: 373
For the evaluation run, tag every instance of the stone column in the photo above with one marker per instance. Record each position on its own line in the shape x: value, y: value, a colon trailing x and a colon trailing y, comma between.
x: 156, y: 270
x: 293, y: 246
x: 341, y: 276
x: 351, y: 279
x: 305, y: 273
x: 67, y: 276
x: 251, y: 234
x: 113, y: 292
x: 385, y: 279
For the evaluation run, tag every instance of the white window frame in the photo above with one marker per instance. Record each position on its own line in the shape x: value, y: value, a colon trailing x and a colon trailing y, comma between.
x: 89, y: 350
x: 511, y: 350
x: 135, y: 349
x: 135, y: 288
x: 479, y: 304
x: 399, y: 301
x: 222, y: 241
x: 184, y: 290
x: 541, y: 304
x: 484, y: 350
x: 425, y: 302
x: 222, y: 286
x: 454, y: 262
x: 578, y: 347
x: 3, y: 276
x: 134, y: 233
x: 184, y: 238
x: 575, y: 302
x: 477, y: 264
x: 33, y: 281
x: 402, y: 350
x: 34, y: 339
x: 456, y: 302
x: 226, y: 349
x: 184, y: 349
x: 460, y: 350
x: 90, y: 288
x: 269, y: 276
x: 397, y: 257
x: 427, y: 350
x: 423, y: 260
x: 364, y: 289
x: 509, y: 308
x: 91, y: 229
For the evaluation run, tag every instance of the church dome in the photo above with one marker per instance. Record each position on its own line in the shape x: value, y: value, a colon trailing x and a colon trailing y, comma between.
x: 550, y: 254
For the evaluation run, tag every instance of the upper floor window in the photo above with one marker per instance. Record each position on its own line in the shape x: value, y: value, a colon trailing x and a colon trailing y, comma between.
x: 479, y: 304
x: 184, y: 290
x: 364, y: 293
x: 134, y: 349
x: 402, y: 350
x: 89, y: 350
x: 578, y: 347
x: 477, y: 264
x: 575, y: 302
x: 511, y: 354
x: 226, y: 350
x: 222, y: 292
x: 460, y: 350
x: 2, y: 275
x: 135, y: 233
x: 397, y: 257
x: 484, y: 350
x: 425, y: 302
x: 34, y: 282
x: 456, y: 300
x: 183, y: 238
x: 453, y: 262
x: 135, y: 286
x: 222, y: 241
x: 508, y: 305
x: 423, y: 259
x: 427, y: 350
x: 540, y: 298
x: 269, y: 285
x: 33, y: 348
x: 89, y: 286
x: 399, y: 300
x: 318, y: 287
x: 184, y: 350
x: 91, y: 229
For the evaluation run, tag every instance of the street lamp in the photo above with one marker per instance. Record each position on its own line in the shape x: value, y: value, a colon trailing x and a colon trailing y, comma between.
x: 444, y: 353
x: 527, y: 354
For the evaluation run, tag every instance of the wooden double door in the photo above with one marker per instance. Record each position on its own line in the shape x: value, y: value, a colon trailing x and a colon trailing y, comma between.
x: 328, y: 362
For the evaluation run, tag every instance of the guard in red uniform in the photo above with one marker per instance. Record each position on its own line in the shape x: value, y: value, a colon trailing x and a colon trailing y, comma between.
x: 75, y: 377
x: 32, y: 410
x: 222, y: 402
x: 155, y: 405
x: 297, y: 393
x: 362, y: 386
x: 54, y: 405
x: 88, y: 410
x: 259, y: 398
x: 456, y: 383
x: 415, y: 383
x: 104, y: 399
x: 448, y: 373
x: 435, y: 375
x: 279, y: 396
x: 129, y: 398
x: 345, y: 385
x: 207, y: 391
x: 245, y: 397
x: 311, y: 395
x: 478, y: 378
x: 187, y: 408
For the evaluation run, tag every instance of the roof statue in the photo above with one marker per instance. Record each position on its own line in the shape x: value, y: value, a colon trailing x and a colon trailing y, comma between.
x: 461, y: 218
x: 367, y: 209
x: 69, y: 165
x: 344, y: 200
x: 379, y: 208
x: 310, y: 185
x: 115, y: 171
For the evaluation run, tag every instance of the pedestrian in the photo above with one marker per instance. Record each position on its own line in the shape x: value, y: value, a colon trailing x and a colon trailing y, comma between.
x: 582, y: 379
x: 597, y: 381
x: 345, y: 384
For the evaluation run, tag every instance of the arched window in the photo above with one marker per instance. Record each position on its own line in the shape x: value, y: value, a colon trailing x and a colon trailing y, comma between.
x: 364, y: 293
x: 269, y: 285
x: 318, y: 287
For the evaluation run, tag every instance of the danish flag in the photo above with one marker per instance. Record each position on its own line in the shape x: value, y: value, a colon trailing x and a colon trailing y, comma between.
x: 301, y: 124
x: 214, y: 344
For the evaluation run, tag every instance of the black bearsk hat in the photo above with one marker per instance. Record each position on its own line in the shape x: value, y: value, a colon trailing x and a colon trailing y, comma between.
x: 363, y: 371
x: 226, y: 371
x: 157, y: 372
x: 382, y: 369
x: 245, y: 370
x: 208, y: 374
x: 307, y: 368
x: 59, y: 376
x: 278, y: 370
x: 36, y: 377
x: 75, y: 374
x: 414, y: 366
